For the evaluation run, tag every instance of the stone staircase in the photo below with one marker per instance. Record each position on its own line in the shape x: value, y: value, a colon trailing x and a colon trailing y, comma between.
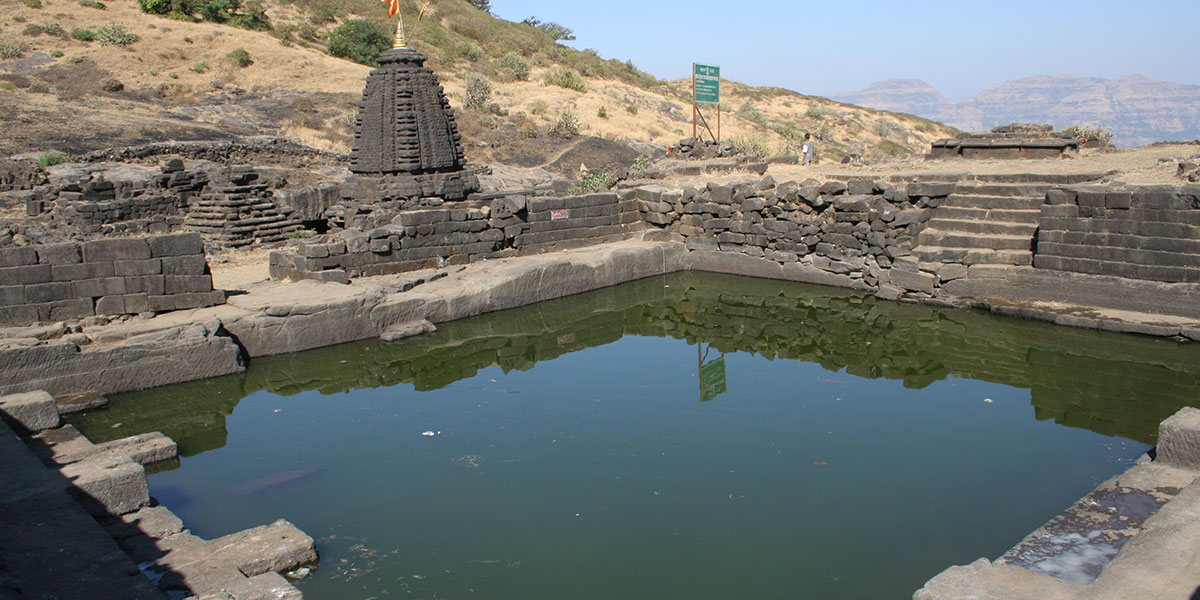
x: 984, y: 223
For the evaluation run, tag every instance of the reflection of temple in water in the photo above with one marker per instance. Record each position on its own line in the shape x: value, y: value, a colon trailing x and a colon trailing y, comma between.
x: 1114, y: 384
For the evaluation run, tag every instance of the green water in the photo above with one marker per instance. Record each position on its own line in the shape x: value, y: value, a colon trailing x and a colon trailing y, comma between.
x: 837, y: 447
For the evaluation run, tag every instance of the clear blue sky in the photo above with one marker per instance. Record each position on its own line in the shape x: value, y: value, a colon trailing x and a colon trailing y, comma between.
x: 960, y: 47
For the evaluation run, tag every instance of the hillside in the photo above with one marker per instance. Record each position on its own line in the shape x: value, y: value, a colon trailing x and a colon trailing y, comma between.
x: 180, y: 81
x: 1138, y: 110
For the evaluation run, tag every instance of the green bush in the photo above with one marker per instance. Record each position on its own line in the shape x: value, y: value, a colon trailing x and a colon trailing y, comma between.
x: 56, y: 53
x: 566, y: 78
x: 566, y: 125
x: 93, y: 4
x: 240, y: 58
x: 469, y: 50
x: 199, y: 68
x: 10, y: 50
x: 46, y: 28
x: 1090, y: 134
x: 360, y: 40
x: 479, y: 91
x: 115, y: 34
x: 751, y: 145
x: 538, y: 107
x: 602, y: 113
x: 49, y: 159
x: 815, y: 112
x: 33, y: 3
x: 513, y: 63
x: 752, y: 114
x: 890, y: 148
x: 83, y: 35
x: 484, y: 5
x: 591, y: 183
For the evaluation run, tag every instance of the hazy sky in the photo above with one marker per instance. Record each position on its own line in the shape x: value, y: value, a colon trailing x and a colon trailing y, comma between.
x: 960, y: 47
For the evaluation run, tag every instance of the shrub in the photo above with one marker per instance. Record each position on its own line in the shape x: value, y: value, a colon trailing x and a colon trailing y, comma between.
x: 469, y: 50
x: 199, y: 67
x: 56, y: 53
x: 591, y: 183
x: 815, y: 112
x: 484, y: 5
x: 49, y: 159
x: 33, y: 3
x: 115, y: 34
x: 83, y: 35
x: 640, y: 162
x: 10, y: 50
x: 890, y: 148
x: 112, y: 85
x: 566, y: 78
x: 631, y: 109
x: 254, y: 19
x: 602, y: 113
x: 360, y: 40
x: 93, y: 4
x: 752, y: 114
x: 557, y: 32
x: 240, y: 58
x: 538, y: 107
x: 479, y: 91
x: 513, y: 63
x: 566, y: 125
x: 1090, y: 134
x: 45, y: 27
x: 751, y: 145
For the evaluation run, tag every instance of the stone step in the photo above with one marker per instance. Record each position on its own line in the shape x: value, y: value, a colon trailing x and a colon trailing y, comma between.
x: 983, y: 226
x: 973, y: 256
x: 1003, y: 215
x: 1028, y: 190
x: 985, y: 201
x: 954, y: 239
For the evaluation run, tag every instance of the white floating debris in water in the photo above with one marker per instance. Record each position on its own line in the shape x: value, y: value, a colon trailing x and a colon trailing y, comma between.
x: 988, y: 400
x: 300, y: 573
x: 428, y: 433
x: 116, y: 425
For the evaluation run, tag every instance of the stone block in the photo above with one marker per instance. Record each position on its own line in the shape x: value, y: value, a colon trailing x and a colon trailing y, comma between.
x: 178, y: 244
x: 47, y: 292
x: 153, y: 285
x: 1118, y: 200
x: 58, y: 254
x: 66, y: 309
x: 145, y: 449
x: 186, y: 284
x: 116, y: 249
x: 88, y: 288
x: 931, y: 189
x: 108, y: 484
x: 12, y: 295
x: 421, y: 217
x: 70, y: 272
x: 1060, y: 197
x: 1179, y: 439
x: 24, y: 313
x: 110, y: 305
x: 17, y: 256
x: 400, y: 331
x: 161, y: 303
x: 126, y: 268
x: 270, y: 548
x: 136, y: 303
x: 25, y: 275
x: 34, y: 411
x: 192, y: 264
x: 913, y: 282
x: 860, y: 187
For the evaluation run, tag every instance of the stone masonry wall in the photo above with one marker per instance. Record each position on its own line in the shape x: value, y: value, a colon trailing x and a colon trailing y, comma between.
x: 51, y: 282
x: 1139, y: 233
x: 862, y: 229
x: 459, y: 234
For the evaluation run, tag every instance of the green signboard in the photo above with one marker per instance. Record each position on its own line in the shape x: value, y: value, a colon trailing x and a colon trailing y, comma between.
x: 707, y: 81
x: 712, y: 379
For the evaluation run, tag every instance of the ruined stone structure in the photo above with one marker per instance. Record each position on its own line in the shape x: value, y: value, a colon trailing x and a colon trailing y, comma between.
x: 52, y: 282
x: 1019, y: 140
x: 240, y: 211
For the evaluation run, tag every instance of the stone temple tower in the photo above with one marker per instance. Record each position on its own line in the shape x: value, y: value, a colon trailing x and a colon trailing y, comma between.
x: 405, y: 125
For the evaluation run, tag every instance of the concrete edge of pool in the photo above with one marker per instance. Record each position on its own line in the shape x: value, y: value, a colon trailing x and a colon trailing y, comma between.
x: 277, y: 318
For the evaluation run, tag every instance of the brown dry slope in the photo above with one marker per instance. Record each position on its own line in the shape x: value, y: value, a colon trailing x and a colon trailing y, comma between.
x: 177, y: 82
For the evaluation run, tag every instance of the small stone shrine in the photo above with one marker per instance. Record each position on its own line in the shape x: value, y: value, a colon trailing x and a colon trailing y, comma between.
x: 406, y: 142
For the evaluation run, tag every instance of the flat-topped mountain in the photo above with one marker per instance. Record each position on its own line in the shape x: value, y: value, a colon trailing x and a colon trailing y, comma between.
x: 1139, y: 110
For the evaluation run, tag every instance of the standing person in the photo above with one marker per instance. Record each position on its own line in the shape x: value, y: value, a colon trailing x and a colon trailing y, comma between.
x: 807, y: 149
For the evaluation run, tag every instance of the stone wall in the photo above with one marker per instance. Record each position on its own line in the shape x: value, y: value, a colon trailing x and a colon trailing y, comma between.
x: 863, y: 229
x: 1138, y: 233
x: 53, y: 282
x: 459, y: 233
x: 1018, y: 140
x: 239, y: 210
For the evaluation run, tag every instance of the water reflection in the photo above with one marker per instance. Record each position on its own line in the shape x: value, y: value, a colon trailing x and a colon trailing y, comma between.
x: 1113, y: 384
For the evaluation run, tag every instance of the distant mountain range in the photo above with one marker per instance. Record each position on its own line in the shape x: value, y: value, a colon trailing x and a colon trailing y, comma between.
x: 1137, y: 109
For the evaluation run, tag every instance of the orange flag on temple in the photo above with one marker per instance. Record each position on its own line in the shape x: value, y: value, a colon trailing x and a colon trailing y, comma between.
x: 393, y: 7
